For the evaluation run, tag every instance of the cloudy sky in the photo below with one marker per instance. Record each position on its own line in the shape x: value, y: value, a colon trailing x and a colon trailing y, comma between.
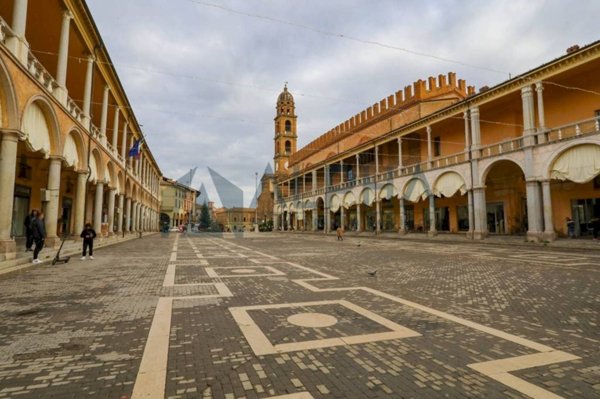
x: 203, y: 76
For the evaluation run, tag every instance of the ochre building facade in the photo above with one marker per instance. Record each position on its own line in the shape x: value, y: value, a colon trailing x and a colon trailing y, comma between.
x: 516, y: 158
x: 66, y: 128
x: 178, y: 203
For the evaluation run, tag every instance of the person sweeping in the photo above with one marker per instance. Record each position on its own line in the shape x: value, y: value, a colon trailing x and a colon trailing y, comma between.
x: 88, y: 234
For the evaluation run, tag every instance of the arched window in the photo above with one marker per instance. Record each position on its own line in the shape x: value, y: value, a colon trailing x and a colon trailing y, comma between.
x: 288, y: 147
x: 288, y: 126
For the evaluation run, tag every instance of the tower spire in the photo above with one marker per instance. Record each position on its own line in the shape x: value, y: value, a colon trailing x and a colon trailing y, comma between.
x: 285, y: 130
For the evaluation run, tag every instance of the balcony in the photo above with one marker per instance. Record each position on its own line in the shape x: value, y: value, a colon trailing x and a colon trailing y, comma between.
x: 554, y: 135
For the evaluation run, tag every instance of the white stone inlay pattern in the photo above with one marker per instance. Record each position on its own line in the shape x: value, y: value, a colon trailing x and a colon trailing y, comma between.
x: 312, y: 320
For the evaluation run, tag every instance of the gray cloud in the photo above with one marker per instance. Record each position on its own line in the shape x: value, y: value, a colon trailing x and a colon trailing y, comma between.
x: 213, y: 102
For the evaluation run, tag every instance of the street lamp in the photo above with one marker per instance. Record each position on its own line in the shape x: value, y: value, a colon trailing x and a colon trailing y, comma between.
x: 256, y: 203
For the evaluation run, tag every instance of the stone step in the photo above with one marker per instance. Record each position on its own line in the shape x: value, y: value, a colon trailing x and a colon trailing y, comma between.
x: 70, y: 248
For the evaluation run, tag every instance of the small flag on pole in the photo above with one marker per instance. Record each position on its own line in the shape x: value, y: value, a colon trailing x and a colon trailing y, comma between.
x: 136, y: 149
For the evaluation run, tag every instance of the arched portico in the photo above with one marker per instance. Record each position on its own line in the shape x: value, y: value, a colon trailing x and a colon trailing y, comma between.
x: 451, y: 205
x: 571, y: 190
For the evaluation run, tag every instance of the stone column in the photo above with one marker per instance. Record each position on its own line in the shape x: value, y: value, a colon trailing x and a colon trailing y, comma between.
x: 480, y: 213
x: 134, y: 215
x: 124, y: 148
x: 377, y: 214
x: 51, y: 211
x: 19, y: 21
x: 400, y: 163
x: 429, y: 147
x: 130, y: 163
x: 121, y: 213
x: 17, y: 44
x: 539, y: 88
x: 80, y: 193
x: 63, y: 59
x: 549, y: 233
x: 104, y: 115
x: 376, y: 160
x: 358, y: 218
x: 115, y: 136
x: 127, y: 227
x: 475, y: 131
x: 402, y: 229
x: 467, y: 133
x: 471, y: 214
x: 141, y: 218
x: 528, y: 116
x: 342, y: 217
x: 534, y: 215
x: 432, y: 229
x: 357, y: 166
x: 98, y: 207
x: 87, y: 93
x: 111, y: 210
x: 315, y: 218
x: 8, y: 164
x: 342, y: 171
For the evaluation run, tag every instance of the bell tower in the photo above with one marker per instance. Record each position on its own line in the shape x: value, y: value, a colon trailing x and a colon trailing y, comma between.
x: 285, y: 131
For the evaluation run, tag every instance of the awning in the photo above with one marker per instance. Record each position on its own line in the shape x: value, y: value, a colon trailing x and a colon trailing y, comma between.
x: 388, y: 191
x: 367, y: 197
x: 415, y: 190
x: 93, y: 169
x: 349, y: 200
x: 579, y: 164
x: 70, y: 152
x: 36, y: 128
x: 334, y: 203
x: 448, y: 184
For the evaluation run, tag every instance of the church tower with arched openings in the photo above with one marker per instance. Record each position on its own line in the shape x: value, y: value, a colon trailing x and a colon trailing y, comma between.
x: 285, y: 131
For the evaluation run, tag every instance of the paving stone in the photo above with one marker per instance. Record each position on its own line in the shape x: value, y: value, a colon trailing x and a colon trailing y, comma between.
x: 81, y: 329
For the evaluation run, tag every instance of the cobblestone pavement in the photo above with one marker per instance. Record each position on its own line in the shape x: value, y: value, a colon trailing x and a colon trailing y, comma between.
x: 299, y: 317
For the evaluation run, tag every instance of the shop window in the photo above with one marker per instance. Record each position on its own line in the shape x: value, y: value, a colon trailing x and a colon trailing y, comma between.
x: 23, y: 170
x: 462, y: 214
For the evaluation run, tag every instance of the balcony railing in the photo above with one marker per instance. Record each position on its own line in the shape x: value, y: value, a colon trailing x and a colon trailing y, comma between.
x: 5, y: 31
x: 74, y: 110
x: 40, y: 73
x: 572, y: 130
x: 500, y: 148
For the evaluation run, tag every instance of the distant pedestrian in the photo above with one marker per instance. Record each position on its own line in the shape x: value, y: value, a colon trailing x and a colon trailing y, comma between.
x: 595, y: 223
x: 340, y: 233
x: 28, y: 232
x: 570, y: 227
x: 38, y: 232
x: 88, y: 234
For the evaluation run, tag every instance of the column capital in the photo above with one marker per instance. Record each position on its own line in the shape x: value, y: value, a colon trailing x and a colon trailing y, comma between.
x: 526, y: 91
x: 428, y: 129
x: 10, y: 135
x: 67, y: 15
x: 55, y: 158
x: 539, y: 86
x: 474, y: 110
